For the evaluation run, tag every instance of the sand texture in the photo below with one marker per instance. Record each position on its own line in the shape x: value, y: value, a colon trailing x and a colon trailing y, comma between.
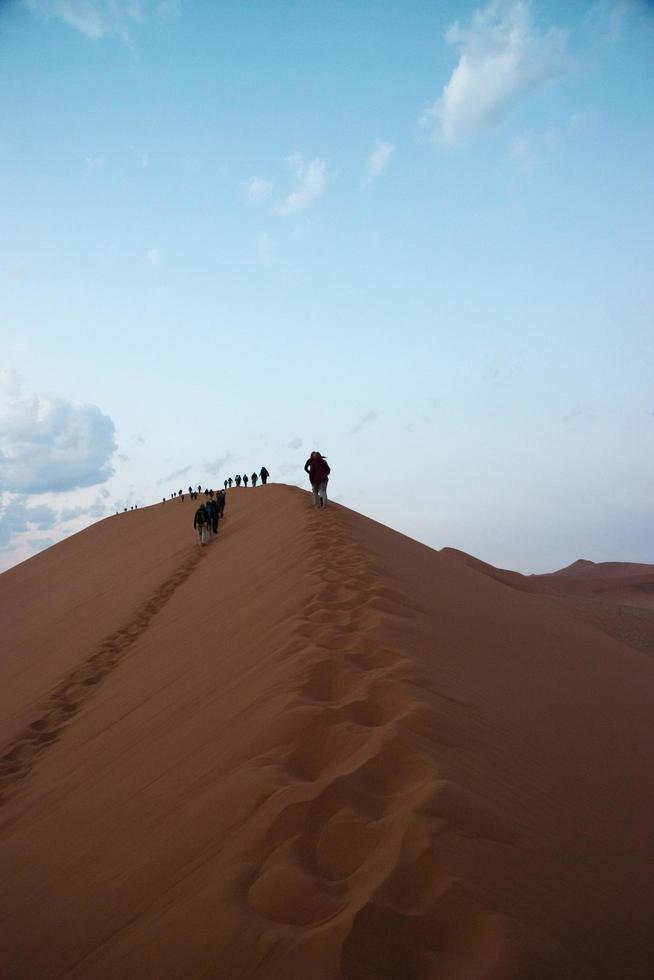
x: 317, y: 749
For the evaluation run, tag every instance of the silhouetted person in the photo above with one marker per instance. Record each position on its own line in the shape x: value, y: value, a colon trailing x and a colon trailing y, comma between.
x: 225, y: 484
x: 264, y: 474
x: 254, y: 479
x: 237, y: 480
x: 245, y: 479
x: 221, y: 503
x: 318, y: 469
x: 212, y: 515
x: 230, y: 481
x: 200, y: 523
x: 181, y: 494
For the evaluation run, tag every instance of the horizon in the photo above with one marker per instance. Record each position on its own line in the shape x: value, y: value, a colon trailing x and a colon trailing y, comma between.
x: 416, y: 241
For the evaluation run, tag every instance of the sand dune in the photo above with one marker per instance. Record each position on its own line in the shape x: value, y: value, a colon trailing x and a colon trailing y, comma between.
x: 314, y: 749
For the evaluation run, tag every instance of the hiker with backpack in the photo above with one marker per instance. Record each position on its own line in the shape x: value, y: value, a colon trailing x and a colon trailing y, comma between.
x: 237, y: 480
x: 201, y: 524
x: 245, y: 479
x: 254, y: 479
x: 264, y: 474
x: 318, y: 469
x: 220, y: 504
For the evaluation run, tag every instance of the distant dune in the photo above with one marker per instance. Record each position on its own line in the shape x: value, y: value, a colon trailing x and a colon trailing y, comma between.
x: 317, y: 749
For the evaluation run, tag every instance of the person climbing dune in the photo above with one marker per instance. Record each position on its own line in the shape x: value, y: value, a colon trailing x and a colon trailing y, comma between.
x: 318, y: 469
x: 201, y: 524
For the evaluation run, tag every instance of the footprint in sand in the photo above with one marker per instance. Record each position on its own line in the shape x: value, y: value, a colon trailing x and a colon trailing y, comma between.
x: 286, y: 892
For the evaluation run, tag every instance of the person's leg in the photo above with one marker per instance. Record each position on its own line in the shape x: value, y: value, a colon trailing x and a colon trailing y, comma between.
x: 316, y: 498
x: 199, y: 529
x: 322, y: 493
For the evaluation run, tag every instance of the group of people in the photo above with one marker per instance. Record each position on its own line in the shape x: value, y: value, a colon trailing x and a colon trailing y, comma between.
x: 238, y: 479
x: 208, y: 515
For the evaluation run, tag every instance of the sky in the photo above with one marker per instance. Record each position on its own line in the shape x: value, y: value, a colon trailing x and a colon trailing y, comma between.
x: 415, y: 236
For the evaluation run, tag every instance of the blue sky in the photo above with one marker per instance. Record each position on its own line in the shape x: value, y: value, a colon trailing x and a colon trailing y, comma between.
x: 416, y: 236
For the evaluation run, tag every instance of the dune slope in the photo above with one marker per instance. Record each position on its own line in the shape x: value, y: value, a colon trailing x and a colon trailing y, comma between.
x: 315, y: 748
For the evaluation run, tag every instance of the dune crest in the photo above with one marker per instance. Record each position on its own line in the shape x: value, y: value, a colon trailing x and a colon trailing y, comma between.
x: 315, y: 748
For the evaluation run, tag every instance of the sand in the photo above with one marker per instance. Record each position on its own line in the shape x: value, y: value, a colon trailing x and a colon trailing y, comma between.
x: 316, y: 749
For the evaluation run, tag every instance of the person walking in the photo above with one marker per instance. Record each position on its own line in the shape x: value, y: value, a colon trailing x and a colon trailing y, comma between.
x: 318, y: 469
x: 264, y: 474
x: 254, y: 479
x: 225, y: 484
x: 200, y: 523
x: 221, y: 504
x: 237, y: 480
x: 245, y: 479
x: 230, y: 481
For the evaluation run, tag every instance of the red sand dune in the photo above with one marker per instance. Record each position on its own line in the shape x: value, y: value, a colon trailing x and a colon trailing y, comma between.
x: 314, y: 749
x: 624, y: 582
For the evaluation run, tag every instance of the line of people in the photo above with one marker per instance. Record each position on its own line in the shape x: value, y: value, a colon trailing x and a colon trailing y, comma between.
x: 238, y: 479
x: 208, y: 515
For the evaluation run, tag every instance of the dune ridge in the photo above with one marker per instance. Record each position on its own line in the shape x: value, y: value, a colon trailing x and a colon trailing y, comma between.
x: 314, y: 748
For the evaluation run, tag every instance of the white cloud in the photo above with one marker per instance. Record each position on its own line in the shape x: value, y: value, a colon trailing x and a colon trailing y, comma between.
x: 311, y: 179
x: 502, y: 57
x: 16, y: 516
x: 608, y: 19
x: 176, y: 474
x: 378, y: 160
x: 364, y: 421
x: 153, y: 258
x: 528, y: 151
x: 218, y: 465
x: 141, y: 156
x: 265, y: 249
x: 257, y: 190
x: 95, y: 161
x: 96, y: 19
x: 48, y: 444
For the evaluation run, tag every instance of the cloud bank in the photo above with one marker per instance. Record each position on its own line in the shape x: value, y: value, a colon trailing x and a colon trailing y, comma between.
x: 49, y: 444
x: 503, y: 56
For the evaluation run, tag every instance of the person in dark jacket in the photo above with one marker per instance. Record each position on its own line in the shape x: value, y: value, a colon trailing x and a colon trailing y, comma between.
x: 245, y: 479
x: 201, y: 524
x: 230, y: 481
x: 225, y: 484
x: 318, y: 469
x: 264, y: 474
x: 254, y: 479
x: 237, y: 480
x: 220, y: 504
